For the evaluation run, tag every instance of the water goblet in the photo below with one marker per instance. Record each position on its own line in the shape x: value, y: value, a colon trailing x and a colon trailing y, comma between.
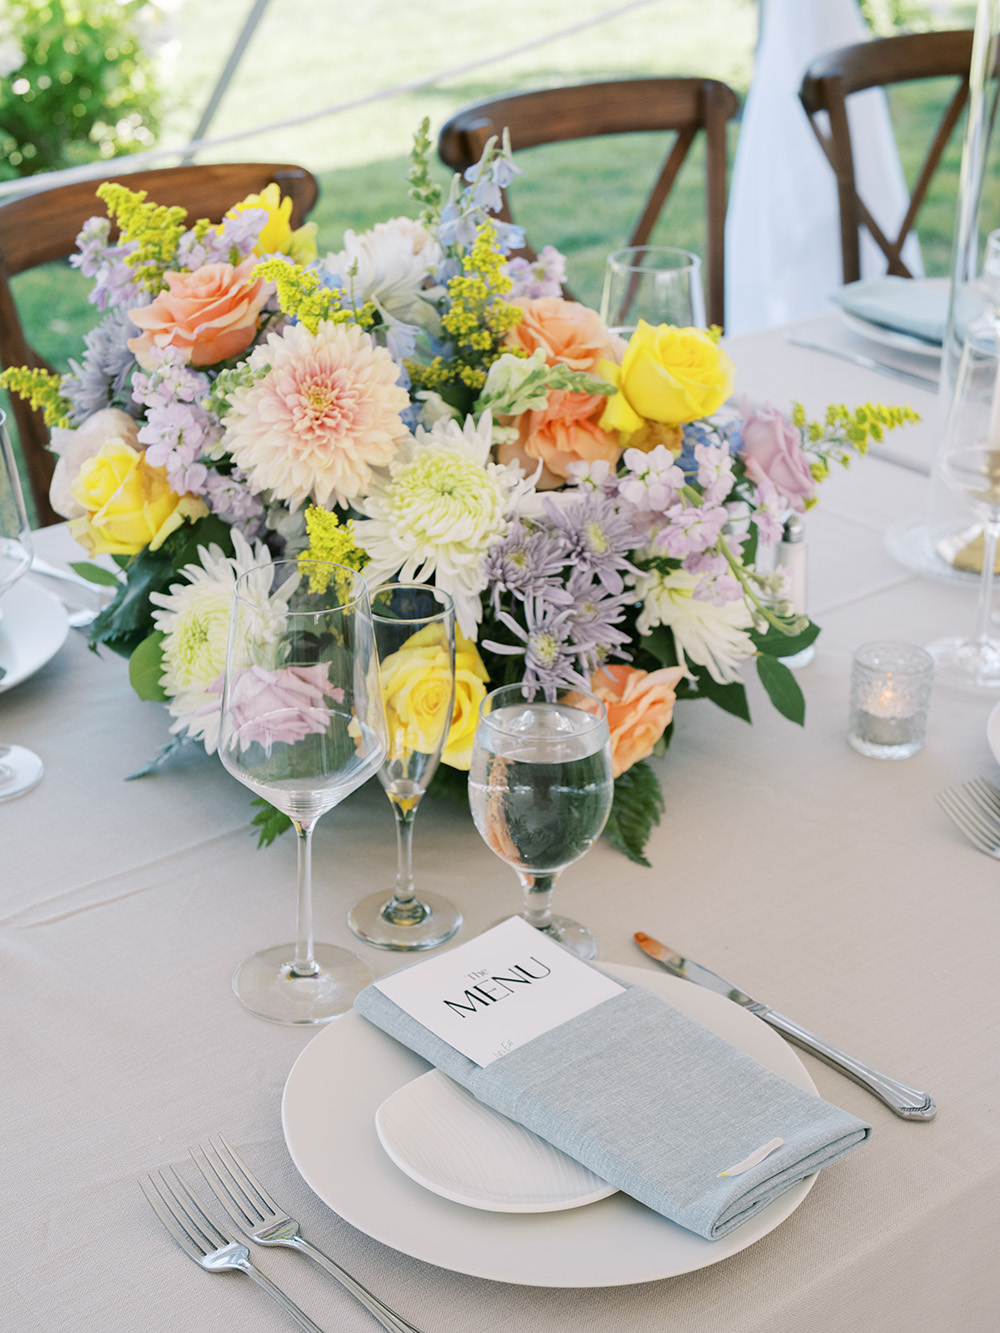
x: 302, y: 726
x: 415, y: 637
x: 20, y: 768
x: 969, y: 463
x: 540, y: 789
x: 652, y: 283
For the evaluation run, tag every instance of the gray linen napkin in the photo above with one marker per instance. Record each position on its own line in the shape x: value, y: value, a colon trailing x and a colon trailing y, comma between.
x: 652, y: 1102
x: 906, y: 305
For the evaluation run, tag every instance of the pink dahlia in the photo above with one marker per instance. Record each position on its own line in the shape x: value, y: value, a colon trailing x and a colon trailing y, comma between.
x: 324, y: 412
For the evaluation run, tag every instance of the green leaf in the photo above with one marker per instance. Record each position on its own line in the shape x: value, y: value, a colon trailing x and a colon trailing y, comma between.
x: 95, y: 574
x: 145, y: 667
x: 732, y: 698
x: 269, y: 823
x: 776, y: 644
x: 637, y: 807
x: 159, y: 757
x: 782, y: 689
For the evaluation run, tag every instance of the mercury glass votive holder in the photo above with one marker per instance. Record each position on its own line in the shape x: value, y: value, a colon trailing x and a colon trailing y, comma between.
x: 890, y: 698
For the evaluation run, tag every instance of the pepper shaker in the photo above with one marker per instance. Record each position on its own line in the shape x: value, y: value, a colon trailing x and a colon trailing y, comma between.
x: 791, y: 560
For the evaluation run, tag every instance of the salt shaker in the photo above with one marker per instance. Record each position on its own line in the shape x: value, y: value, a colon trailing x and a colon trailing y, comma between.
x: 791, y: 560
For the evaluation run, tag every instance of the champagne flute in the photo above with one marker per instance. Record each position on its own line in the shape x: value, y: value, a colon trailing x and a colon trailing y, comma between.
x: 652, y: 283
x: 969, y: 463
x: 302, y: 726
x: 20, y: 769
x: 415, y: 637
x: 540, y: 789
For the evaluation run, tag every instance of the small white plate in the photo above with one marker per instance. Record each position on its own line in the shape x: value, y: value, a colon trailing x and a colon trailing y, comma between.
x: 33, y: 629
x: 993, y: 732
x: 901, y: 342
x: 447, y: 1141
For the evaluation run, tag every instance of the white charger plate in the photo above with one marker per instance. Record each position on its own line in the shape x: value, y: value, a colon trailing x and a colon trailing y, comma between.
x: 33, y: 629
x: 328, y: 1114
x: 444, y: 1139
x: 993, y: 732
x: 894, y: 338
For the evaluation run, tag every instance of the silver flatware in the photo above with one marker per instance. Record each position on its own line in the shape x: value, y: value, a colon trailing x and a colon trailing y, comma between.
x: 904, y: 1101
x: 204, y: 1241
x: 974, y: 808
x: 256, y: 1214
x: 866, y: 362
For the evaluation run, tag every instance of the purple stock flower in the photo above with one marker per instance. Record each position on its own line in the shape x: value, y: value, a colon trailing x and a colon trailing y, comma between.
x: 692, y: 529
x: 114, y: 280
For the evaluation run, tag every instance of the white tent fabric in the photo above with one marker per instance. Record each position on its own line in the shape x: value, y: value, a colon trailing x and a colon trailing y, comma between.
x: 783, y: 253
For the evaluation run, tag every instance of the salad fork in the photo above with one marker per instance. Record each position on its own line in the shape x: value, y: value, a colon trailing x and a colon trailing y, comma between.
x: 204, y: 1242
x: 974, y: 807
x: 256, y: 1215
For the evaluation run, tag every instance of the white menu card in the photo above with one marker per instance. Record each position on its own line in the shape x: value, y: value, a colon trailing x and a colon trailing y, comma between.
x: 498, y: 991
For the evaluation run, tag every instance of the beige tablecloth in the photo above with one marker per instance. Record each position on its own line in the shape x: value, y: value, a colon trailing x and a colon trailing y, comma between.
x: 827, y: 883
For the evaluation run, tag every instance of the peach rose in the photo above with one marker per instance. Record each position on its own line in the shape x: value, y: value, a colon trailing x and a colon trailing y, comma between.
x: 567, y: 429
x: 211, y: 314
x: 639, y: 704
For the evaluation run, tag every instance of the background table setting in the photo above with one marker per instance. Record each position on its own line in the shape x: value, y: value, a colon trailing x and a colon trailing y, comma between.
x: 828, y: 884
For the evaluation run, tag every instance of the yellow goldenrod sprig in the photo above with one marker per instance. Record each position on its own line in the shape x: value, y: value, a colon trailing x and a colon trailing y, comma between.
x: 329, y: 540
x: 42, y: 390
x: 476, y: 320
x: 845, y: 431
x: 300, y: 293
x: 154, y: 230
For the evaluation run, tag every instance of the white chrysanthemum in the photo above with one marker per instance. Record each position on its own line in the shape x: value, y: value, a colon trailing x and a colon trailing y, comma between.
x: 194, y: 620
x: 390, y: 265
x: 711, y: 636
x: 441, y: 507
x: 324, y: 413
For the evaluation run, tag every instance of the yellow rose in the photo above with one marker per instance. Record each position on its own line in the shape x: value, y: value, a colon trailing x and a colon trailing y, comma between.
x: 129, y: 505
x: 416, y: 690
x: 667, y: 375
x: 277, y: 236
x: 470, y: 691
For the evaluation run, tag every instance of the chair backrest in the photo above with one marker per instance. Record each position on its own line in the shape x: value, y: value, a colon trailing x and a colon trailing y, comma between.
x: 38, y: 228
x: 583, y: 111
x: 829, y: 82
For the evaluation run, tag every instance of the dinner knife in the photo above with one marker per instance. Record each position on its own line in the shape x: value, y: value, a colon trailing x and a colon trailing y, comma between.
x: 905, y: 1102
x: 866, y: 362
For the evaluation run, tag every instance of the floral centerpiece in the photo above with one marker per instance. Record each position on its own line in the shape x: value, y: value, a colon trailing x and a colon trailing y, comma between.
x: 421, y: 406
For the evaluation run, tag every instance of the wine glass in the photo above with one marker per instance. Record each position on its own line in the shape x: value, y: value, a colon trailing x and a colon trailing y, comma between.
x: 969, y: 463
x: 302, y: 726
x: 540, y: 788
x: 20, y: 769
x: 415, y: 637
x: 653, y: 283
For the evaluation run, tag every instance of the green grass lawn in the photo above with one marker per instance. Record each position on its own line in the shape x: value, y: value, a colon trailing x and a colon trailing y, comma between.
x: 581, y: 197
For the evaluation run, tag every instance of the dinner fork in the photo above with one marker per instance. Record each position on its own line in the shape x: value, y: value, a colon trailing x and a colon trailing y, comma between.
x: 205, y: 1242
x: 256, y: 1214
x: 974, y: 807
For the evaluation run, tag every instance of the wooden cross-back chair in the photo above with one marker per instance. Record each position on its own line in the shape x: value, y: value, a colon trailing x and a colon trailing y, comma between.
x: 833, y: 78
x: 41, y: 227
x: 685, y: 106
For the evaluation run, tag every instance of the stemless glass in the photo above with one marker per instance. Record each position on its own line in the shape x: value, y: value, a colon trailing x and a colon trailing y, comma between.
x: 302, y: 725
x: 415, y: 637
x: 969, y: 463
x: 653, y: 283
x: 20, y: 769
x: 540, y: 788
